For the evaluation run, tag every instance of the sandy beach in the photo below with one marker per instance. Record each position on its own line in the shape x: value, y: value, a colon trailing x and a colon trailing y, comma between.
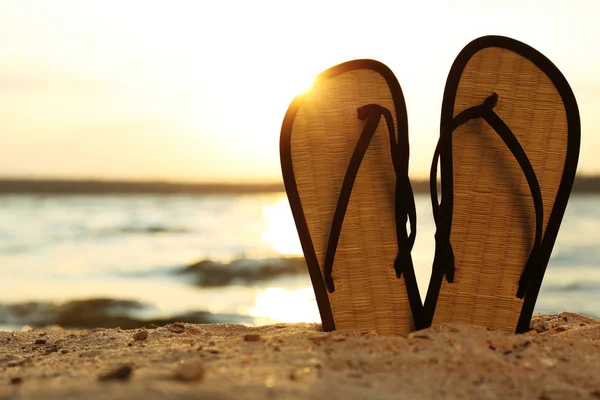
x: 558, y: 359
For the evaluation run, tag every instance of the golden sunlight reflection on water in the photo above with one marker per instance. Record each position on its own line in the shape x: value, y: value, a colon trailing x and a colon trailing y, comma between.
x: 276, y: 303
x: 281, y: 231
x: 286, y: 305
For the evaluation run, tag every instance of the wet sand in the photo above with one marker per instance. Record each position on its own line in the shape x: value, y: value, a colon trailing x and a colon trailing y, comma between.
x: 558, y: 359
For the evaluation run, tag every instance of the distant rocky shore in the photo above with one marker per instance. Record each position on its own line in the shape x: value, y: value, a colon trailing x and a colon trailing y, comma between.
x: 98, y: 187
x: 583, y: 184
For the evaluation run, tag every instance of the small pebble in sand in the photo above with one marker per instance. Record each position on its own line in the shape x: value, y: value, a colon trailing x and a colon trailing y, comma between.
x: 120, y: 374
x: 16, y: 380
x: 50, y: 350
x: 190, y: 372
x: 193, y: 331
x: 252, y: 337
x: 40, y: 341
x: 318, y: 338
x: 176, y: 328
x: 270, y: 382
x: 547, y: 325
x: 548, y: 362
x: 141, y: 335
x: 421, y: 335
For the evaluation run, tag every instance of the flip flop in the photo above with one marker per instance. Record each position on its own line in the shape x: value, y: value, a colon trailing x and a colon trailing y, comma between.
x: 344, y: 156
x: 508, y: 148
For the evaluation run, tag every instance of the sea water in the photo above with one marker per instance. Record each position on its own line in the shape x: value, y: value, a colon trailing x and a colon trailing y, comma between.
x: 69, y: 259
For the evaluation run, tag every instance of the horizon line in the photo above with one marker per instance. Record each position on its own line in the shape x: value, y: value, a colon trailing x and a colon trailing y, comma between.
x: 18, y: 185
x: 175, y: 181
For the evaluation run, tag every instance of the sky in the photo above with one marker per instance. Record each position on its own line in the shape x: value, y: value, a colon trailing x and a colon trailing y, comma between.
x: 197, y: 90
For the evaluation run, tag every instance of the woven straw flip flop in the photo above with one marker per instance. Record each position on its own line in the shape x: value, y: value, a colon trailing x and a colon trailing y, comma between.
x: 509, y: 146
x: 344, y: 156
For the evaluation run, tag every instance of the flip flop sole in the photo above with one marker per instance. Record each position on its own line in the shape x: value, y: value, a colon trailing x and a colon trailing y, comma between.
x: 319, y: 135
x: 484, y: 189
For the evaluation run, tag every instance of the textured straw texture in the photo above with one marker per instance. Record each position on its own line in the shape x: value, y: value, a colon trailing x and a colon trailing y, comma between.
x: 493, y: 219
x: 324, y: 135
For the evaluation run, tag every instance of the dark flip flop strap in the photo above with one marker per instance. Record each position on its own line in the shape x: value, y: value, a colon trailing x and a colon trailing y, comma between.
x: 444, y: 255
x: 404, y: 203
x: 405, y: 198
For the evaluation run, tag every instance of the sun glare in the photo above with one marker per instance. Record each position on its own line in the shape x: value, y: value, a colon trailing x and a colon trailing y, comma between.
x: 281, y: 231
x: 286, y: 305
x: 304, y: 85
x: 294, y: 82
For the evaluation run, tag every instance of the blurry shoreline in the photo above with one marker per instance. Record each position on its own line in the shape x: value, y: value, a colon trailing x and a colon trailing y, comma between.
x: 130, y: 313
x: 98, y: 187
x: 9, y: 186
x: 102, y: 313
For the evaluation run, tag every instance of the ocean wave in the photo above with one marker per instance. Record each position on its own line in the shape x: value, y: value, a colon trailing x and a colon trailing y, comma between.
x: 210, y: 273
x: 573, y: 287
x: 103, y: 313
x: 576, y: 255
x: 149, y: 230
